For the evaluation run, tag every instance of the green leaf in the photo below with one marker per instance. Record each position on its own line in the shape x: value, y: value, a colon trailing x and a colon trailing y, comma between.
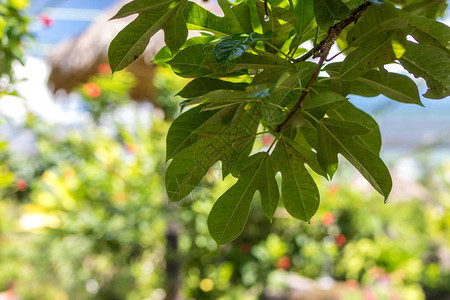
x: 263, y: 60
x: 203, y: 85
x: 304, y: 11
x: 279, y: 21
x: 131, y: 42
x: 175, y: 29
x: 304, y: 149
x: 199, y: 18
x: 340, y: 135
x: 430, y: 63
x: 328, y: 11
x: 375, y: 20
x: 397, y: 87
x: 164, y: 54
x: 242, y: 13
x: 227, y: 136
x: 427, y: 8
x: 188, y: 62
x: 327, y: 155
x: 140, y: 6
x: 299, y: 192
x: 230, y: 212
x: 285, y: 93
x: 373, y: 53
x: 220, y: 97
x: 348, y: 112
x: 319, y: 104
x: 428, y: 31
x: 230, y: 49
x: 227, y: 8
x: 182, y: 131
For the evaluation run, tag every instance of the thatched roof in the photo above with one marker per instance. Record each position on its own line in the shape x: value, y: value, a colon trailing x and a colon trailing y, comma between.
x: 74, y: 61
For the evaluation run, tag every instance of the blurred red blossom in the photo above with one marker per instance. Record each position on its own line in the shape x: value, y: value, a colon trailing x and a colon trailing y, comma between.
x: 284, y: 262
x: 46, y: 20
x: 104, y: 69
x: 21, y: 184
x: 92, y: 89
x: 340, y: 240
x: 327, y: 218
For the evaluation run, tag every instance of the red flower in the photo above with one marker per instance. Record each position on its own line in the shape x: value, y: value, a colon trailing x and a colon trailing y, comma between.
x: 340, y: 240
x: 92, y: 89
x: 284, y: 262
x: 267, y: 140
x: 21, y: 184
x: 104, y: 69
x: 327, y: 218
x: 46, y: 20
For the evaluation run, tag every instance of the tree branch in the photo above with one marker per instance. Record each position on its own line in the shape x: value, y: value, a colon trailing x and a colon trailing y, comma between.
x: 322, y: 50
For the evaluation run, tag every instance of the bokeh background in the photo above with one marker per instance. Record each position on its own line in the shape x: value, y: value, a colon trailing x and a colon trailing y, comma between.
x: 83, y: 211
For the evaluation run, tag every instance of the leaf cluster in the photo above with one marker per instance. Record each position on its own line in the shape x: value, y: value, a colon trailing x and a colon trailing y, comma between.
x: 252, y: 75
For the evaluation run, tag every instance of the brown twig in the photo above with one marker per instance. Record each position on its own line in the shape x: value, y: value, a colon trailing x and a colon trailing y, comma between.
x: 322, y: 50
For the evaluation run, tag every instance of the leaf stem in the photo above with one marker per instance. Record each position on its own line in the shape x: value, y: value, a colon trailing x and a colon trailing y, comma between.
x: 321, y: 50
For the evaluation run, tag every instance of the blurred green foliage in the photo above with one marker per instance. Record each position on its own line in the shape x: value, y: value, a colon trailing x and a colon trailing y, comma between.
x: 13, y: 31
x: 92, y: 221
